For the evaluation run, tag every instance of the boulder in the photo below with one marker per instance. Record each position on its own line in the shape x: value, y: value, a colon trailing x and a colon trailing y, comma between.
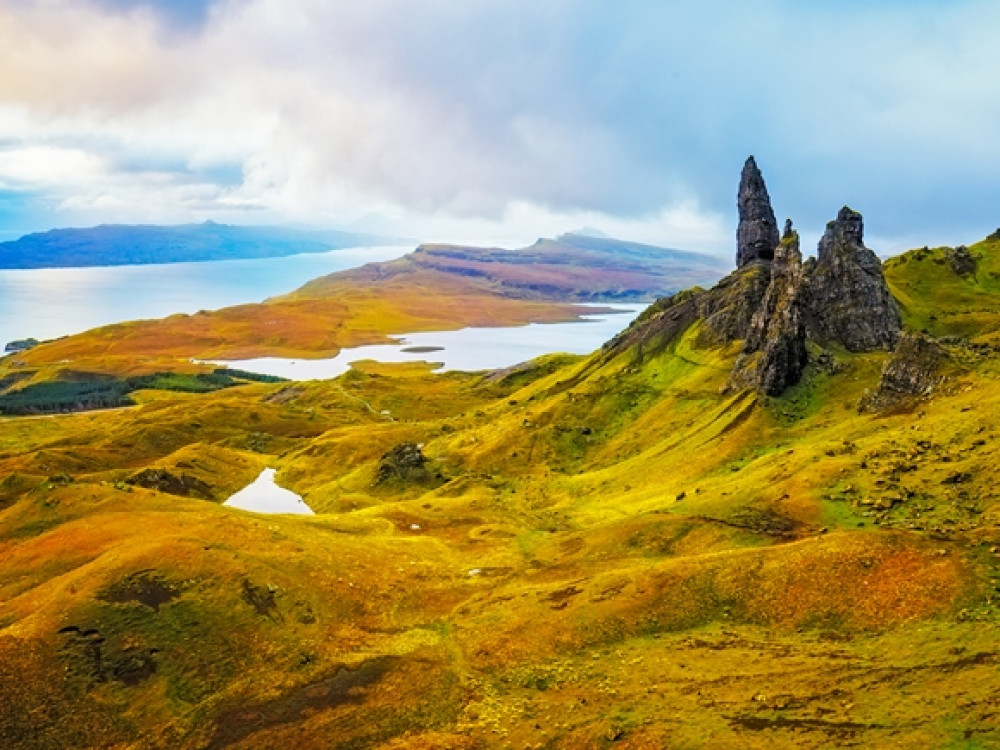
x: 183, y: 485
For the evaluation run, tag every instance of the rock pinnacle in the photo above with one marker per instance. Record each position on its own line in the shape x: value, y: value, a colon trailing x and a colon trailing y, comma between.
x: 757, y: 234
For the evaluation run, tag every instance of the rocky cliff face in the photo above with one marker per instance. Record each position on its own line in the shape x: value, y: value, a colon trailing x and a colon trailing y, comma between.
x: 774, y: 351
x: 848, y: 300
x: 757, y: 233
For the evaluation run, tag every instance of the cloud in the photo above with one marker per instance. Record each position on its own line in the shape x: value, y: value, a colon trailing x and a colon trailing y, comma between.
x: 486, y: 116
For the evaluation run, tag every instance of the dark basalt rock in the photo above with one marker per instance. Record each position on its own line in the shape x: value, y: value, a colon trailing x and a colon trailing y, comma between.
x: 913, y: 371
x: 848, y: 300
x: 757, y: 234
x: 774, y: 351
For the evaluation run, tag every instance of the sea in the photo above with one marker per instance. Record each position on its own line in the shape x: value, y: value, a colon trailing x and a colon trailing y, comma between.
x: 46, y: 303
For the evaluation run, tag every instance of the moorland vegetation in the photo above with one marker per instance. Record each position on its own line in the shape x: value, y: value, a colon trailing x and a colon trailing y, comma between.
x: 753, y: 519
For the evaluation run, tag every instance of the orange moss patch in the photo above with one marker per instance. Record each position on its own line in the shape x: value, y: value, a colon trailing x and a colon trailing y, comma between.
x: 857, y: 582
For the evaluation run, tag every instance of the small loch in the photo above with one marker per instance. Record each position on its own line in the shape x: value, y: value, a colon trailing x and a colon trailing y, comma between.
x: 265, y: 496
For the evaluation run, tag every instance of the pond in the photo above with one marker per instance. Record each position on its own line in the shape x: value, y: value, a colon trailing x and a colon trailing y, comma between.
x: 265, y: 496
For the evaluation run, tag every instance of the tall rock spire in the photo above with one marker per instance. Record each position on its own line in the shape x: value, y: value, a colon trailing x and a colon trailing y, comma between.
x: 757, y: 234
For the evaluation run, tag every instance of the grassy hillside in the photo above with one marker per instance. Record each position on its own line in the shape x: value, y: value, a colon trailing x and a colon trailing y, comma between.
x: 601, y: 551
x: 950, y: 291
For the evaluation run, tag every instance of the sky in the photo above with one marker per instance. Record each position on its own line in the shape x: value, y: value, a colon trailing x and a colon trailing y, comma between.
x: 503, y: 120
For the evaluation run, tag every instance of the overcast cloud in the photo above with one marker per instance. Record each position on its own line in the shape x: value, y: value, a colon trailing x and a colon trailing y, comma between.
x: 502, y: 119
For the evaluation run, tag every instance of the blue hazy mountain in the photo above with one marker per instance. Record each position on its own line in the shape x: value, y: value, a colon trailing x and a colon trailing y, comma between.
x: 123, y: 244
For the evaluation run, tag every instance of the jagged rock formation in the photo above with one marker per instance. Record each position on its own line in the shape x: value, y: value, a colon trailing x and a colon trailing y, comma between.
x: 757, y: 233
x: 849, y: 302
x: 776, y: 303
x: 913, y: 371
x: 774, y: 351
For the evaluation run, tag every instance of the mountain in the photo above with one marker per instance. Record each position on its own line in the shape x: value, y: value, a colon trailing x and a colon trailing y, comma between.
x: 119, y: 244
x: 656, y: 545
x: 571, y: 267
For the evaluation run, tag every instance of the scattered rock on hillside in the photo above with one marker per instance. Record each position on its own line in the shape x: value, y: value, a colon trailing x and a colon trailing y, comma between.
x: 757, y: 234
x: 848, y: 299
x: 774, y: 352
x: 962, y: 262
x: 405, y: 462
x: 913, y: 371
x: 184, y: 485
x: 144, y: 587
x: 262, y: 599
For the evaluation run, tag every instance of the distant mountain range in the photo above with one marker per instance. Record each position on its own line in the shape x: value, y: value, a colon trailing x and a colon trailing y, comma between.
x: 121, y: 244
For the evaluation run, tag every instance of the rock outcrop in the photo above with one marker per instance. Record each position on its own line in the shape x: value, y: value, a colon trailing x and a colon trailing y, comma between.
x: 912, y: 372
x: 162, y: 480
x: 728, y: 307
x: 774, y: 352
x: 849, y: 302
x: 405, y: 463
x: 962, y: 262
x: 757, y: 233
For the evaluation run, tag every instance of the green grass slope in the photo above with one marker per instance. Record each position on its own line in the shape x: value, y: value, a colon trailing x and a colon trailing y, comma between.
x: 949, y: 291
